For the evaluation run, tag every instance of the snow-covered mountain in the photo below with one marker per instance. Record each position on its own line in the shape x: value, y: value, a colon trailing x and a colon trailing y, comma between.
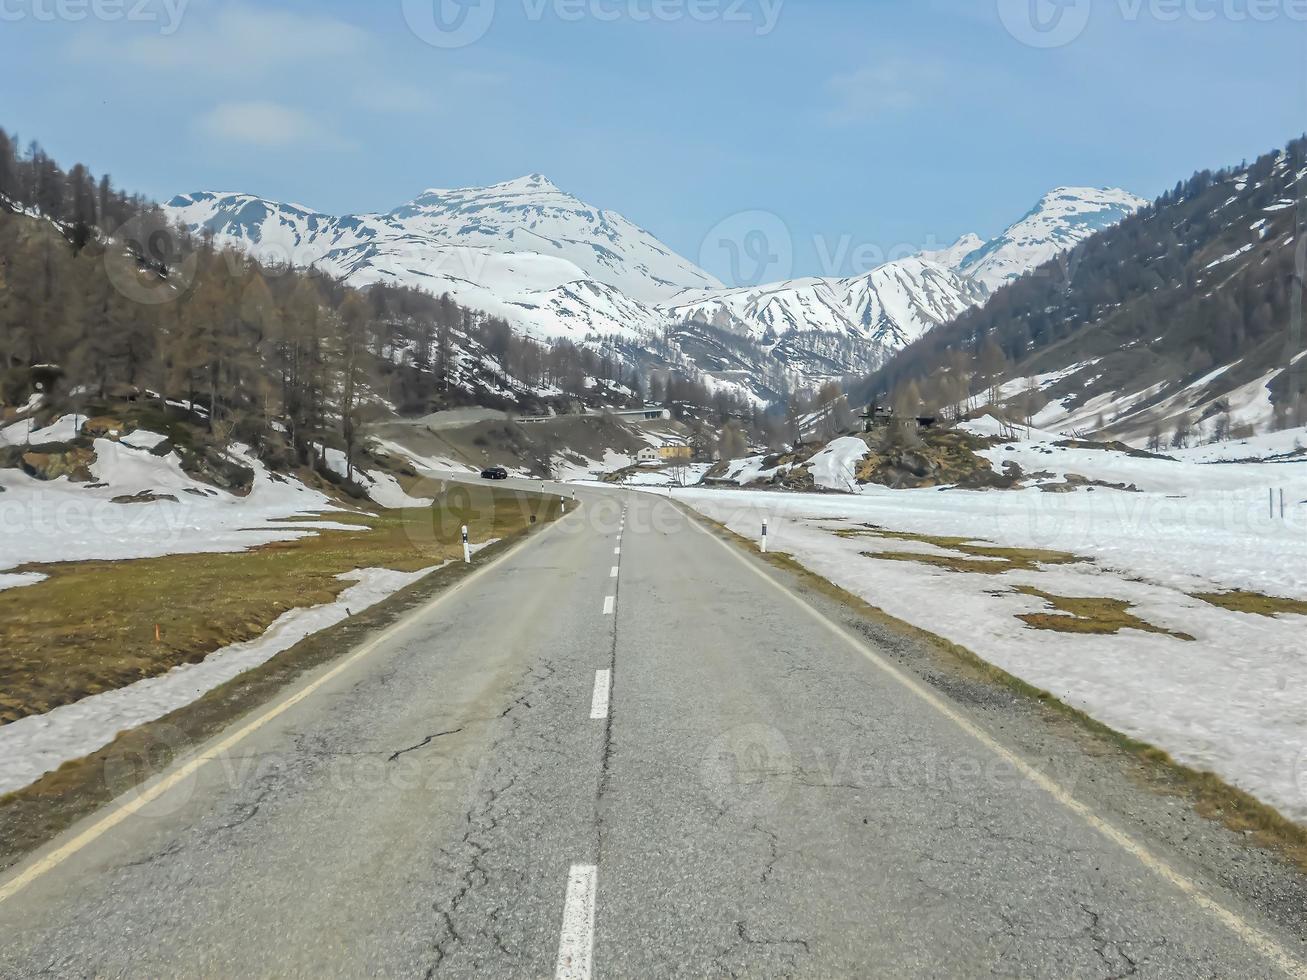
x: 953, y: 256
x: 553, y: 266
x: 525, y: 250
x: 890, y: 306
x: 896, y: 303
x: 1063, y: 218
x: 901, y: 300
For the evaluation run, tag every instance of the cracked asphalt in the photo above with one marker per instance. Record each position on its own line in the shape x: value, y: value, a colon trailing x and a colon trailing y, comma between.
x: 760, y: 801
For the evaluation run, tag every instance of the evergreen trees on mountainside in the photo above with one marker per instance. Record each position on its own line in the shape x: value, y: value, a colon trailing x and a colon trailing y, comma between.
x: 97, y: 283
x: 1206, y: 277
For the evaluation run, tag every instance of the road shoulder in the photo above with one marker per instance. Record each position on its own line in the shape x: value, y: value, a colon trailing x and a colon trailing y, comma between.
x: 1194, y: 821
x: 35, y: 816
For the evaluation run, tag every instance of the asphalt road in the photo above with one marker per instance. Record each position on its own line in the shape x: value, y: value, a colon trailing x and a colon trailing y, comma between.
x: 677, y: 768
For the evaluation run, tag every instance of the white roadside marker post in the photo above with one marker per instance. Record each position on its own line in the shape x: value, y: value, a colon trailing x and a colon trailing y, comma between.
x: 467, y: 548
x: 764, y: 535
x: 563, y: 501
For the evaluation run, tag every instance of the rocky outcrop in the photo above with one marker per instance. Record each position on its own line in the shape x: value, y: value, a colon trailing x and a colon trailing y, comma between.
x: 144, y: 497
x: 1072, y: 482
x: 934, y: 458
x: 73, y: 463
x: 208, y: 465
x: 104, y: 427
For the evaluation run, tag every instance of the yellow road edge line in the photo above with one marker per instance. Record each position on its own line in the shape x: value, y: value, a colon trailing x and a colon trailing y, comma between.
x: 164, y: 782
x: 1259, y: 940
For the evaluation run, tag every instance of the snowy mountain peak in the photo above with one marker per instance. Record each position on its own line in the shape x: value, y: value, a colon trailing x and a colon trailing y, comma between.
x: 513, y: 239
x: 531, y: 188
x: 953, y: 256
x: 888, y: 307
x: 1063, y: 218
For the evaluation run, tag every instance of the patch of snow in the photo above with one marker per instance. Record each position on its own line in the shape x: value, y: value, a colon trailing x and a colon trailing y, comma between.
x: 20, y: 580
x: 143, y: 439
x: 433, y: 464
x: 383, y: 489
x: 835, y: 467
x: 1233, y: 255
x: 59, y: 521
x: 1254, y: 448
x: 751, y: 469
x: 61, y: 429
x: 689, y: 475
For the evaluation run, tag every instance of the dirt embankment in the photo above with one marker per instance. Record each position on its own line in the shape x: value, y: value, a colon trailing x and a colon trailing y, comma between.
x: 529, y: 446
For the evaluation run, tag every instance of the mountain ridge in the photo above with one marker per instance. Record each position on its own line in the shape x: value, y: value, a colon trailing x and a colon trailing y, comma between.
x: 554, y: 266
x: 1174, y: 325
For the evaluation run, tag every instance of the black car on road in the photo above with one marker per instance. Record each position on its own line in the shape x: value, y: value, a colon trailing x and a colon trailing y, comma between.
x: 494, y: 473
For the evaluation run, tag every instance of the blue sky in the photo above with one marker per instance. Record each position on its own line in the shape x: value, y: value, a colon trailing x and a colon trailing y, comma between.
x: 859, y: 124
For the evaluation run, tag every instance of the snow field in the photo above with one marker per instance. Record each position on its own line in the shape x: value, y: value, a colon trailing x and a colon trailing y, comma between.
x: 1233, y: 700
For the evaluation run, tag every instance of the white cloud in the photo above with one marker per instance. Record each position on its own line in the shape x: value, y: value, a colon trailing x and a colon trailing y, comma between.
x: 266, y: 125
x: 890, y: 86
x: 240, y: 42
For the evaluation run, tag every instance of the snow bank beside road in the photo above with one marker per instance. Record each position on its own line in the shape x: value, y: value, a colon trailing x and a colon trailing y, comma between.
x: 752, y: 469
x: 689, y: 474
x: 33, y: 746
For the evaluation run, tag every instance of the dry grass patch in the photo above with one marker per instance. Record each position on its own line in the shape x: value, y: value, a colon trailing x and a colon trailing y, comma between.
x: 90, y: 627
x: 973, y: 556
x: 1093, y: 615
x: 979, y: 566
x: 1254, y: 602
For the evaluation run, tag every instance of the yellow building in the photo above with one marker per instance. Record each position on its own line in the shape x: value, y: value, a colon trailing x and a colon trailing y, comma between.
x: 675, y: 452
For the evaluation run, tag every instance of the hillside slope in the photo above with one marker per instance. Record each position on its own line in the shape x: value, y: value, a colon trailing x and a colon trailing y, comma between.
x: 1181, y: 323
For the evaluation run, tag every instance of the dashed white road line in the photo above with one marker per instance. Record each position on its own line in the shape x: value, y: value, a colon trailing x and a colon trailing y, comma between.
x: 599, y: 700
x: 576, y: 946
x: 617, y: 550
x: 615, y: 572
x: 610, y: 605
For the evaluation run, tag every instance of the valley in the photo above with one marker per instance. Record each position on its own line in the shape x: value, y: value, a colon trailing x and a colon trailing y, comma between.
x: 481, y: 587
